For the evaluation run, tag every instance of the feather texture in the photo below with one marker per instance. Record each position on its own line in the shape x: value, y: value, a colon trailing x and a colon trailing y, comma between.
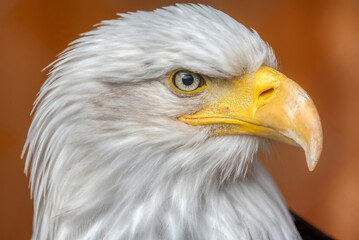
x: 108, y: 158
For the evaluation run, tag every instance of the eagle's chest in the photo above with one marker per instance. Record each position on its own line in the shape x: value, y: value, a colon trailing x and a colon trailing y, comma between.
x: 233, y: 213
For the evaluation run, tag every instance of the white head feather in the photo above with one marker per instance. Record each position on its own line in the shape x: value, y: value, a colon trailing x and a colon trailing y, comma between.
x: 110, y: 160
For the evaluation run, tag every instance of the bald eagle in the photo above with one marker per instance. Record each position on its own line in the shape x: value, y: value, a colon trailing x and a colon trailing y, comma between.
x: 148, y: 127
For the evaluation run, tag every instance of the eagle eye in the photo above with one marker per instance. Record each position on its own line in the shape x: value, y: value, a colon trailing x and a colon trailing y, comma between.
x: 187, y: 82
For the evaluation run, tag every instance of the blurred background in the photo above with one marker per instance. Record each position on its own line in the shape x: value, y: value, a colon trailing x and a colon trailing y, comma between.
x: 317, y: 45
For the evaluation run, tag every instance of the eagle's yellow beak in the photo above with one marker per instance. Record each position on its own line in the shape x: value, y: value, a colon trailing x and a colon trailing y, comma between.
x: 265, y: 103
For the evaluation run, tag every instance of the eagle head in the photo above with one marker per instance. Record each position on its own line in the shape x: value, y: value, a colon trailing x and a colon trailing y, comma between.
x: 148, y: 127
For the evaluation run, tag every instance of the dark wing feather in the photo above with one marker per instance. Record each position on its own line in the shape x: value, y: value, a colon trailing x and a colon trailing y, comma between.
x: 308, y: 231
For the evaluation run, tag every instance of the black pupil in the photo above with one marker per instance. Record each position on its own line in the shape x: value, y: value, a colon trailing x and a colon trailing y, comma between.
x: 187, y: 79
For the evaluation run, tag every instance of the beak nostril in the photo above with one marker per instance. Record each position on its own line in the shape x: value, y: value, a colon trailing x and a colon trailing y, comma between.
x: 267, y: 93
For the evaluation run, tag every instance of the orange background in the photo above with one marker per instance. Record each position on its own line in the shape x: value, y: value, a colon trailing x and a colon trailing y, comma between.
x: 316, y: 42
